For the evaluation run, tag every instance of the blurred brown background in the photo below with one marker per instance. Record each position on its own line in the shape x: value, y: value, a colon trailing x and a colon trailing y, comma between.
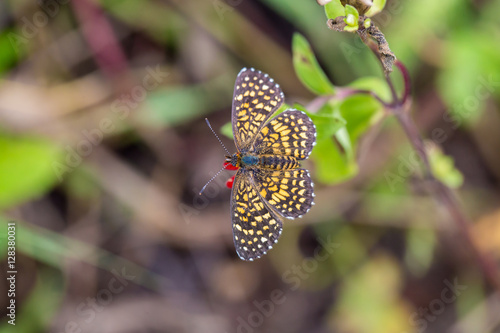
x: 104, y: 147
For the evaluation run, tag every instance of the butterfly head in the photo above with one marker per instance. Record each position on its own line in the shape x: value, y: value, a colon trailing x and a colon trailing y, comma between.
x: 232, y: 162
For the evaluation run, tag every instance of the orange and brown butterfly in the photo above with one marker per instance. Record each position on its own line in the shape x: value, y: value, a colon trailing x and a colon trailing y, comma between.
x: 270, y: 184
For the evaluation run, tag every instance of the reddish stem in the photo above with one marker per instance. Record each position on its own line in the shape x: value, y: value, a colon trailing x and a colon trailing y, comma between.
x: 441, y: 192
x: 406, y: 80
x: 100, y: 36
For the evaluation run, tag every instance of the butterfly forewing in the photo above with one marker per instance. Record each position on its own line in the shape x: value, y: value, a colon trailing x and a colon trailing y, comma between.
x: 289, y: 192
x: 256, y: 98
x: 255, y: 227
x: 291, y: 133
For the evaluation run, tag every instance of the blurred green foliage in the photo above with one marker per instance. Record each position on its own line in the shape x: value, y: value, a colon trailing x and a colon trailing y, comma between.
x: 443, y: 168
x: 8, y: 56
x: 26, y: 168
x: 383, y: 310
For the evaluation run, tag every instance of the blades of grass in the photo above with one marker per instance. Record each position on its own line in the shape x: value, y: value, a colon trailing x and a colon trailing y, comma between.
x: 54, y: 249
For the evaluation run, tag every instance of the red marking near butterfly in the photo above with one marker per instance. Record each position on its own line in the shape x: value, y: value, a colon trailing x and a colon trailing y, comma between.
x: 229, y: 166
x: 230, y: 182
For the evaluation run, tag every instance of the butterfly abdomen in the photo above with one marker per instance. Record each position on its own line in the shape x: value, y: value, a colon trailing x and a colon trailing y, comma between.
x: 278, y: 162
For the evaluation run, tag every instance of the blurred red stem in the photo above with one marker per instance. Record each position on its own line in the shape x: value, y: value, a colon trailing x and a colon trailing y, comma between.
x: 100, y: 36
x: 406, y: 79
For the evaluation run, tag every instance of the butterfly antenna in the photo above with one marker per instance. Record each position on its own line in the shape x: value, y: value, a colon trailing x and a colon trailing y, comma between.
x: 204, y: 187
x: 210, y: 126
x: 220, y: 141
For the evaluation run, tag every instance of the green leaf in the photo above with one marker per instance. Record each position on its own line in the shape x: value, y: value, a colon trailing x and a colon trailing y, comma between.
x: 360, y: 111
x: 377, y: 7
x: 332, y: 166
x: 335, y: 156
x: 344, y: 139
x: 327, y: 125
x: 443, y: 168
x: 26, y: 168
x: 227, y: 130
x: 351, y: 18
x: 367, y: 23
x: 327, y: 120
x: 8, y: 56
x: 374, y: 84
x: 307, y: 68
x: 352, y: 11
x: 334, y: 9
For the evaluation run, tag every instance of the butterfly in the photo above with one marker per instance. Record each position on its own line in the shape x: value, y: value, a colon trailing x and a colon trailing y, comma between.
x: 270, y: 184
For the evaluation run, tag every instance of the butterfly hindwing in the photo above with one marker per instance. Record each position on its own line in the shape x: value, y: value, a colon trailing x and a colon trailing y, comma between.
x: 289, y: 192
x: 255, y: 227
x: 291, y: 133
x: 256, y: 98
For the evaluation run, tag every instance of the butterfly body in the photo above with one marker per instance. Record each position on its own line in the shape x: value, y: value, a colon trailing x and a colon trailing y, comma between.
x: 254, y: 161
x: 269, y: 184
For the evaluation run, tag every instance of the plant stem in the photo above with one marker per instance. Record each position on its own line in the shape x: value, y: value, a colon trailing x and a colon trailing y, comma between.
x: 400, y: 107
x: 406, y: 80
x: 442, y: 194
